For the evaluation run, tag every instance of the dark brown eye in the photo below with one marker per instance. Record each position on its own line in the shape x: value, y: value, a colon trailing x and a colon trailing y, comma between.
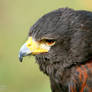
x: 50, y: 42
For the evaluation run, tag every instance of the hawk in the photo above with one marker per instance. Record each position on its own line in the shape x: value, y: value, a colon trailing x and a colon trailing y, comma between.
x: 61, y: 42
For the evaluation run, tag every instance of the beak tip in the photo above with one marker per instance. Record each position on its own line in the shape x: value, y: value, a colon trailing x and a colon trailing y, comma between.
x: 20, y: 57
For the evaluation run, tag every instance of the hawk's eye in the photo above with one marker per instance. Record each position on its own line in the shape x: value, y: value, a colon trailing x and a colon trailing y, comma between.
x: 49, y: 42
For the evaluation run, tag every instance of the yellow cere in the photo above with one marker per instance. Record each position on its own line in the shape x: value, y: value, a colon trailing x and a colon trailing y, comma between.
x: 37, y: 47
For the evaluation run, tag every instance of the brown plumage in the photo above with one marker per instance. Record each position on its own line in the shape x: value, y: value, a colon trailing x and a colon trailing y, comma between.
x: 68, y: 63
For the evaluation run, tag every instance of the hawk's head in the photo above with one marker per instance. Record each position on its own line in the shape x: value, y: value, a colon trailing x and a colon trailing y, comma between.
x: 62, y: 37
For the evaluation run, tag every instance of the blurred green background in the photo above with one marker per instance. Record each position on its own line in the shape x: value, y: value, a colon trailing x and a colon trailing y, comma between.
x: 16, y: 18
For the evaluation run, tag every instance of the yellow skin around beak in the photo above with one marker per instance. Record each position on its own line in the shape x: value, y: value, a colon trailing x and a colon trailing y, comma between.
x: 34, y: 47
x: 37, y: 47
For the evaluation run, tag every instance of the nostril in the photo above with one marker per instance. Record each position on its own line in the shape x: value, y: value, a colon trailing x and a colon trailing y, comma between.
x: 29, y: 45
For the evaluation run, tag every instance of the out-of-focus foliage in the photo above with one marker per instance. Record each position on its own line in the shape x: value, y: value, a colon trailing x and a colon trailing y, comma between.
x: 16, y: 17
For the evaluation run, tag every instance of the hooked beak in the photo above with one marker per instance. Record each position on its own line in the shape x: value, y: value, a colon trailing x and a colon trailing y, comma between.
x: 24, y: 51
x: 32, y: 47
